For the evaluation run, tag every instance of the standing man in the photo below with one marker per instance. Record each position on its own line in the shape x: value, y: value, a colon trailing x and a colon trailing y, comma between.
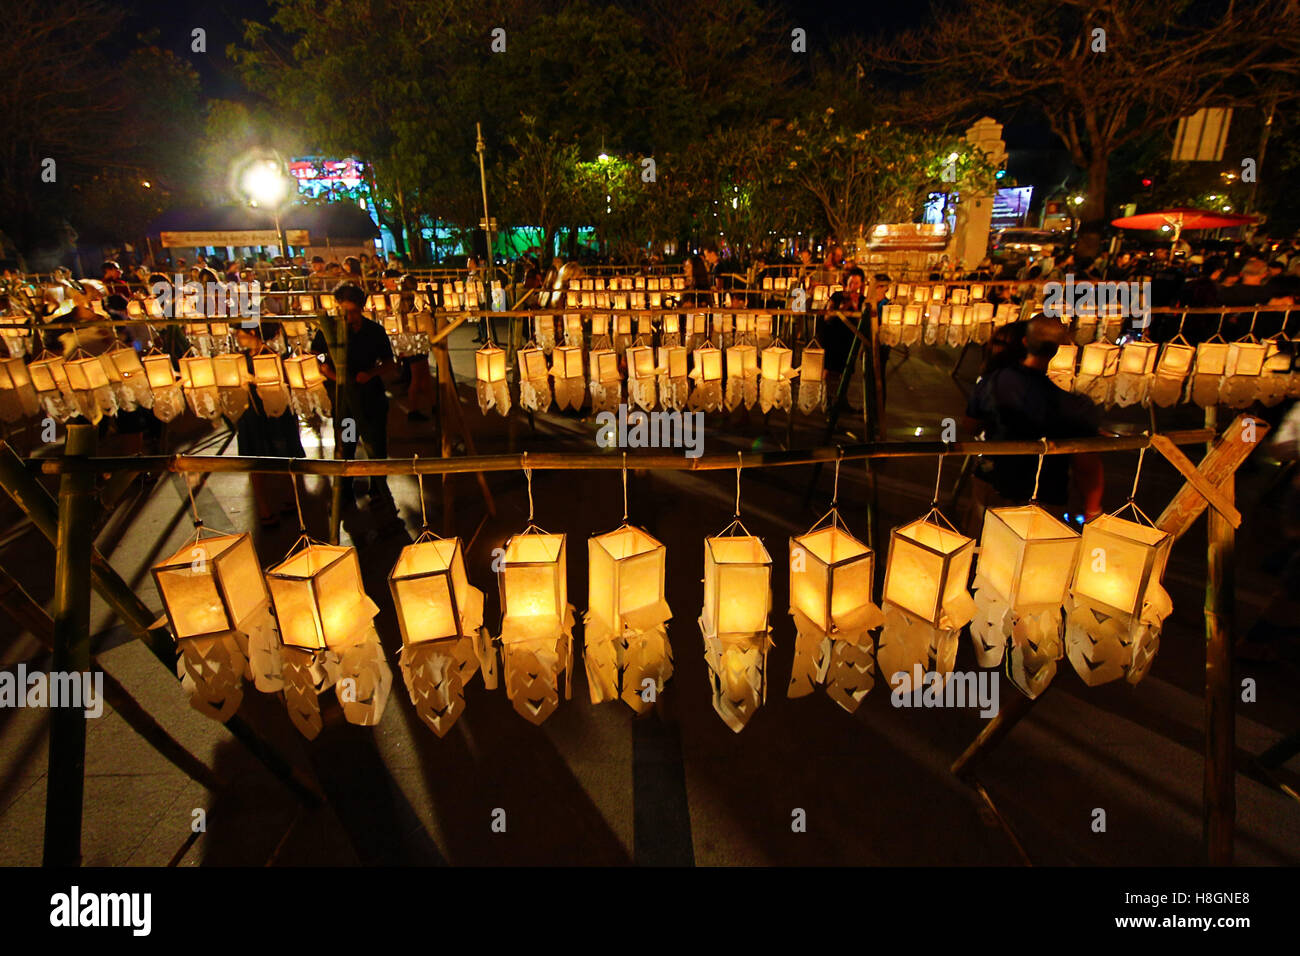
x: 362, y: 398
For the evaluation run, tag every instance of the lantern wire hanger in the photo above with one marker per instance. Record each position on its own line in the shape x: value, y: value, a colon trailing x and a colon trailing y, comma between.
x: 199, y: 526
x: 934, y: 511
x: 1131, y: 505
x: 531, y: 527
x: 1033, y: 499
x: 426, y: 533
x: 834, y: 513
x: 736, y: 523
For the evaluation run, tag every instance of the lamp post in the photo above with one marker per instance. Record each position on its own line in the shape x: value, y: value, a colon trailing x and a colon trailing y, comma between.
x: 265, y: 183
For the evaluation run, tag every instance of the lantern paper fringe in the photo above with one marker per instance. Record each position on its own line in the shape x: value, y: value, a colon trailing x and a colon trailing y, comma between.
x: 204, y: 402
x: 674, y: 393
x: 494, y: 395
x: 1166, y: 391
x: 570, y: 392
x: 1131, y: 388
x: 535, y: 394
x: 1105, y: 647
x: 233, y: 400
x: 1099, y: 388
x: 1273, y: 388
x: 812, y: 396
x: 1205, y: 389
x: 642, y: 392
x: 775, y: 394
x: 844, y: 659
x: 619, y: 662
x: 212, y: 671
x: 308, y: 403
x: 363, y: 663
x: 306, y: 675
x: 606, y: 396
x: 706, y: 397
x: 742, y: 387
x: 532, y: 667
x: 1238, y: 391
x: 737, y: 674
x: 274, y: 399
x: 907, y: 640
x: 168, y: 402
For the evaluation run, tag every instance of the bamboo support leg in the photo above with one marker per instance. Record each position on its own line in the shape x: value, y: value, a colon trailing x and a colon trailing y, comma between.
x: 67, y: 766
x: 1220, y: 798
x: 1007, y: 717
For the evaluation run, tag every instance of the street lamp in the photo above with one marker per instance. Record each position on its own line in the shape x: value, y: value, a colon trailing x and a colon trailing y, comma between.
x: 265, y: 183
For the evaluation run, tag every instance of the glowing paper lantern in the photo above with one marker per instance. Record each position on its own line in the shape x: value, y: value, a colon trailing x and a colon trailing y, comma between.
x: 268, y: 379
x: 925, y: 601
x: 199, y: 382
x: 537, y: 626
x: 1117, y: 604
x: 707, y: 373
x: 671, y: 333
x: 17, y: 394
x: 90, y: 386
x: 1274, y: 379
x: 763, y: 329
x: 131, y: 388
x: 1025, y: 566
x: 231, y: 374
x: 490, y: 369
x: 1060, y: 368
x: 891, y: 325
x: 600, y: 331
x: 742, y: 377
x: 625, y: 628
x: 544, y: 332
x: 1171, y: 371
x: 674, y: 385
x: 935, y: 329
x: 961, y: 320
x: 164, y: 385
x: 734, y: 622
x: 441, y: 618
x: 569, y: 378
x: 606, y: 384
x: 327, y: 626
x: 812, y: 378
x: 1242, y: 369
x: 982, y: 319
x: 1098, y: 368
x: 831, y: 583
x: 1211, y: 360
x: 777, y: 372
x: 1137, y: 365
x: 219, y: 610
x: 573, y: 329
x: 534, y: 379
x: 641, y: 372
x: 307, y: 393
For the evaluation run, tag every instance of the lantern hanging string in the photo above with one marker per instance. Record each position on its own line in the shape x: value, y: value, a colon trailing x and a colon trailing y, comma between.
x: 1181, y: 322
x: 938, y: 478
x: 528, y: 477
x: 419, y: 480
x: 1039, y: 471
x: 1137, y: 474
x: 194, y: 508
x: 297, y: 503
x: 835, y: 488
x: 625, y: 487
x: 739, y: 461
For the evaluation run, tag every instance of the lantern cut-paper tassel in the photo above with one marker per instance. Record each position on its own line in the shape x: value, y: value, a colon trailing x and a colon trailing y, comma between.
x: 444, y: 642
x: 89, y: 383
x: 831, y: 580
x: 1117, y: 605
x: 219, y: 610
x: 742, y: 377
x: 1025, y: 566
x: 490, y: 371
x: 812, y: 379
x: 328, y: 631
x: 568, y: 377
x: 537, y: 624
x: 1098, y: 369
x: 625, y: 629
x: 925, y: 602
x: 534, y: 379
x: 706, y: 396
x: 776, y: 374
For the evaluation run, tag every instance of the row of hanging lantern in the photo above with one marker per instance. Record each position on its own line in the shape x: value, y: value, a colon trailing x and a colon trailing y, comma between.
x: 1212, y: 372
x: 655, y: 377
x: 1042, y: 591
x: 936, y: 323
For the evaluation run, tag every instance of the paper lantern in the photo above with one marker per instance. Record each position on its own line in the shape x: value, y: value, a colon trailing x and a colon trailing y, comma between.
x: 91, y: 391
x: 961, y: 320
x: 1211, y: 360
x: 606, y: 385
x: 1117, y: 604
x: 537, y: 625
x: 812, y: 378
x: 672, y: 329
x: 268, y: 379
x: 534, y: 379
x: 625, y: 632
x: 959, y: 296
x: 1098, y: 368
x: 307, y: 393
x: 935, y: 327
x: 641, y: 376
x: 742, y: 377
x: 1060, y: 368
x: 1137, y: 365
x: 777, y: 372
x: 327, y: 626
x: 600, y: 331
x: 164, y: 385
x: 1026, y: 562
x: 674, y: 385
x: 199, y: 382
x: 493, y: 391
x: 1085, y: 327
x: 982, y: 322
x: 569, y: 381
x: 1171, y: 371
x: 763, y: 329
x: 216, y: 602
x: 573, y: 329
x: 891, y: 325
x: 734, y: 622
x: 831, y: 584
x: 132, y: 385
x: 231, y: 374
x: 17, y: 394
x: 1274, y: 380
x: 925, y: 600
x: 441, y: 619
x: 1242, y: 368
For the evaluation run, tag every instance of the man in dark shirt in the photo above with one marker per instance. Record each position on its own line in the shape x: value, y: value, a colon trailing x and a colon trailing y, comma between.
x: 369, y: 355
x: 1020, y: 403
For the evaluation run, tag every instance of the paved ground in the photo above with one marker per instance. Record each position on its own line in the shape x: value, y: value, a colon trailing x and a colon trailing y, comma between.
x: 595, y: 784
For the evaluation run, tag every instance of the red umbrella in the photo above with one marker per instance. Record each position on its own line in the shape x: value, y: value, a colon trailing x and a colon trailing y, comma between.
x: 1182, y: 218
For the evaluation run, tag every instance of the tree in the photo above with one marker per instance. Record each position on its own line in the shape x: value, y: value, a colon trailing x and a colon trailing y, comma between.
x: 1100, y: 72
x: 538, y: 185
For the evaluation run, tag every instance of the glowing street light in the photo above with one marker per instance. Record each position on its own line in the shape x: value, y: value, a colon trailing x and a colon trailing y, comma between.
x: 264, y: 183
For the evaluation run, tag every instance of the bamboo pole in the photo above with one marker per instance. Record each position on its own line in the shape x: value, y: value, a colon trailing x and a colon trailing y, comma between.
x: 1220, y: 797
x: 574, y: 461
x: 66, y: 777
